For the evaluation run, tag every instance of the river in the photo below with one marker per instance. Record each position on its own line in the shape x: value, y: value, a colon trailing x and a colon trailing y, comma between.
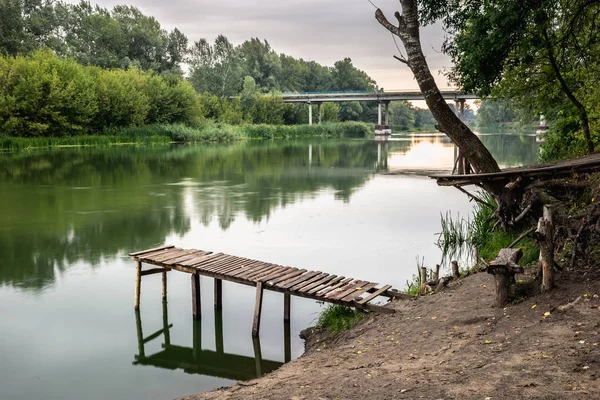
x: 69, y: 217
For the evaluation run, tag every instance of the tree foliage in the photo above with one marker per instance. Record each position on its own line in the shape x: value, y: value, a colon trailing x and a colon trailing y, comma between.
x: 545, y: 54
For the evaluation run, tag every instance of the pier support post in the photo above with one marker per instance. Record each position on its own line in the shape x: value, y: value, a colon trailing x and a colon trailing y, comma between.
x: 286, y: 307
x: 378, y: 113
x: 319, y: 115
x: 138, y: 284
x: 387, y: 113
x: 257, y: 356
x: 257, y: 309
x: 196, y: 339
x: 287, y: 341
x: 218, y: 294
x: 196, y: 304
x: 309, y: 113
x: 164, y: 285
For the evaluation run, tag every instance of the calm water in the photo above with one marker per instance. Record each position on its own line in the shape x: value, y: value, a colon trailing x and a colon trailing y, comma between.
x: 69, y: 217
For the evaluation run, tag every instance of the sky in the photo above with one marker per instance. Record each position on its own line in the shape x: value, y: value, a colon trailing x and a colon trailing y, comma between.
x: 324, y: 31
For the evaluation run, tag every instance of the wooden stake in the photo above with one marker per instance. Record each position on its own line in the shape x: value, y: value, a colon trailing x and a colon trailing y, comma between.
x: 545, y: 235
x: 455, y: 272
x: 257, y: 356
x: 286, y: 307
x: 196, y: 303
x: 166, y: 324
x: 218, y: 294
x: 436, y: 273
x: 219, y: 332
x: 164, y: 285
x: 257, y: 309
x: 138, y: 284
x: 140, y: 334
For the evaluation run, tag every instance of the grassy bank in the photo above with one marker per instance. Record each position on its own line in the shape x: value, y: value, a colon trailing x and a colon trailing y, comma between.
x: 205, y: 132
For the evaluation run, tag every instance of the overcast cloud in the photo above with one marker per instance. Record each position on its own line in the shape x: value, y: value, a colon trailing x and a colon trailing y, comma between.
x: 321, y: 30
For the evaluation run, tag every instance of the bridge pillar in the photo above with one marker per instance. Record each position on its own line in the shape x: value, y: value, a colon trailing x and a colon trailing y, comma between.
x: 461, y: 112
x: 378, y: 113
x: 319, y: 113
x: 309, y: 113
x: 387, y: 113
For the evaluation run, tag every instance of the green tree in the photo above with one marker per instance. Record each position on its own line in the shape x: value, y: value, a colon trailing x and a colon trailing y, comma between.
x: 215, y: 69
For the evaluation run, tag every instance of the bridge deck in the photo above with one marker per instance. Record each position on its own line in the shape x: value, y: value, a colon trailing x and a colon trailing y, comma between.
x: 263, y: 275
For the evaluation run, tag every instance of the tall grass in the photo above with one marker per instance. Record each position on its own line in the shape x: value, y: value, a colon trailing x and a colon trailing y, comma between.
x: 336, y: 318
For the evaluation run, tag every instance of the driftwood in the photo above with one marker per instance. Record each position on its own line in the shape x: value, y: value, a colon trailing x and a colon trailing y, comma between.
x: 443, y: 282
x: 504, y: 268
x: 521, y: 237
x: 569, y: 305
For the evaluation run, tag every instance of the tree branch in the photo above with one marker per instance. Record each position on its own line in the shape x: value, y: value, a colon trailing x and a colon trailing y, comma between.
x: 402, y: 60
x: 385, y: 23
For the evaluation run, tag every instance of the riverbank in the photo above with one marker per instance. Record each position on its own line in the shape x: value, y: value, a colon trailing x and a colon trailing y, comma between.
x: 452, y: 345
x: 206, y: 132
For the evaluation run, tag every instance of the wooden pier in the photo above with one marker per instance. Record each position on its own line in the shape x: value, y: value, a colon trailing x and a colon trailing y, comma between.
x: 262, y: 275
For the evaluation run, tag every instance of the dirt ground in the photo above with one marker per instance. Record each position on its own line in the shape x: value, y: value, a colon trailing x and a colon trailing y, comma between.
x: 452, y: 345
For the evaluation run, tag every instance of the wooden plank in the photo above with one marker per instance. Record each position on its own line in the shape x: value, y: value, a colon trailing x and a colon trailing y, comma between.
x: 138, y: 253
x: 375, y: 294
x: 285, y: 277
x: 231, y: 269
x: 171, y: 259
x: 359, y: 290
x: 209, y: 260
x: 325, y: 284
x: 270, y: 270
x: 323, y: 293
x: 226, y: 263
x: 153, y: 271
x: 292, y: 282
x: 314, y: 284
x: 338, y: 294
x: 197, y: 259
x: 169, y: 254
x: 191, y: 255
x: 258, y: 271
x: 257, y: 309
x: 308, y: 281
x: 275, y: 275
x: 220, y: 263
x: 148, y: 256
x: 247, y: 268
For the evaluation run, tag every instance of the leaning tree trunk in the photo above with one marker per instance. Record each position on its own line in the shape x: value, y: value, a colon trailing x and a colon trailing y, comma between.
x: 408, y: 31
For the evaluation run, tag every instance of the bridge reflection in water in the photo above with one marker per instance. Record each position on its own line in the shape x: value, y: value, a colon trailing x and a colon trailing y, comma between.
x: 195, y: 360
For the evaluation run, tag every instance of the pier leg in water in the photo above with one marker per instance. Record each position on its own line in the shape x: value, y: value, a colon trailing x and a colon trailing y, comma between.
x: 287, y: 341
x: 218, y: 294
x: 140, y: 334
x: 164, y: 286
x: 166, y: 324
x: 138, y: 284
x: 196, y: 339
x: 257, y: 309
x: 196, y: 305
x: 257, y: 355
x: 287, y: 298
x: 219, y: 332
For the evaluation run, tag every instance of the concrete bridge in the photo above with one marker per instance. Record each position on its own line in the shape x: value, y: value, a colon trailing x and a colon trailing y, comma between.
x: 382, y: 98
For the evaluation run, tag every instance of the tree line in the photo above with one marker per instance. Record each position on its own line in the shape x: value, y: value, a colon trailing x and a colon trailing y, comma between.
x: 124, y: 39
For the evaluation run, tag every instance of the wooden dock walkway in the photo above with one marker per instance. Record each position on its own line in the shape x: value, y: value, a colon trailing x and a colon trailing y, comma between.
x: 263, y: 275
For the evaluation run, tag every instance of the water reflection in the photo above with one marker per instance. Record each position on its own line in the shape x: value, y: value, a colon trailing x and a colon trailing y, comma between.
x: 195, y: 360
x: 58, y: 208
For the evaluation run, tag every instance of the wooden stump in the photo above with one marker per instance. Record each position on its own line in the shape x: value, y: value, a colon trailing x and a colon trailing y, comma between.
x: 455, y: 271
x: 504, y: 268
x: 436, y: 273
x: 545, y: 237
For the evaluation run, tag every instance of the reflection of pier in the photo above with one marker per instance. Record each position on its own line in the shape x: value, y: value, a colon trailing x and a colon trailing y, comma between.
x: 195, y: 360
